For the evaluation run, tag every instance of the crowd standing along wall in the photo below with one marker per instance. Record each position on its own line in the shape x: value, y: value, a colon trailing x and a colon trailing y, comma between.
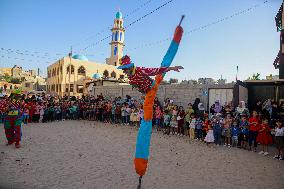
x: 181, y: 94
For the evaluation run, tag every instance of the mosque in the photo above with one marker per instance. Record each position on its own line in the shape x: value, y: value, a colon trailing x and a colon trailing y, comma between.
x: 76, y: 70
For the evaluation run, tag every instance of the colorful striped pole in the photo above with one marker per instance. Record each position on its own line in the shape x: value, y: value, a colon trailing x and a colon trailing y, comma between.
x: 145, y: 130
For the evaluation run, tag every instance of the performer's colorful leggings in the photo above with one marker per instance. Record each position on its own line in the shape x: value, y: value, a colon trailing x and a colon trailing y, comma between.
x: 12, y: 126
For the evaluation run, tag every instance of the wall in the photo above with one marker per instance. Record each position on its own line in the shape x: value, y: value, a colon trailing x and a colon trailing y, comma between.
x: 181, y: 94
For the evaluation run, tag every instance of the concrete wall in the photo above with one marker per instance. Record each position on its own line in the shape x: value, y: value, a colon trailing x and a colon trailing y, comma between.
x: 181, y: 94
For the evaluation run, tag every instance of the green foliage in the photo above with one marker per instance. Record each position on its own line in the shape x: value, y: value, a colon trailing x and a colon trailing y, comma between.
x: 173, y: 80
x: 254, y: 77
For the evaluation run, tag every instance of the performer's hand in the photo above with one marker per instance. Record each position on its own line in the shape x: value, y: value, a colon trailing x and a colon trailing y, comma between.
x: 176, y: 68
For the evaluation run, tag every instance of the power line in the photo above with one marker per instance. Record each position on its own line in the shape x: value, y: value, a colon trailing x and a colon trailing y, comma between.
x: 110, y: 26
x: 21, y: 53
x: 132, y: 23
x: 204, y: 26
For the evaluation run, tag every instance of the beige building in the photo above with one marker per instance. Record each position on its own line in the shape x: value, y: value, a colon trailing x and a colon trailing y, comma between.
x: 60, y: 76
x: 6, y: 71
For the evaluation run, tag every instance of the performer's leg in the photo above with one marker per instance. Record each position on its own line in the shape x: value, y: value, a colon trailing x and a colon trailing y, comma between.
x: 9, y: 131
x: 18, y: 133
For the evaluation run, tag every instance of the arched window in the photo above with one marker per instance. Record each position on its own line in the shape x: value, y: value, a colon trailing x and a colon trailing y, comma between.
x: 115, y: 50
x: 106, y: 74
x: 113, y: 74
x: 120, y: 36
x: 116, y: 36
x: 72, y: 69
x: 81, y: 70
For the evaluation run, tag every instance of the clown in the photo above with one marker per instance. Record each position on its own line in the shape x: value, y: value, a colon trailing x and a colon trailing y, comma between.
x: 13, y: 119
x: 140, y: 78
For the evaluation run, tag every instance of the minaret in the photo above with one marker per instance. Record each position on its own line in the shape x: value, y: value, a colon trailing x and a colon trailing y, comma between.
x: 117, y: 41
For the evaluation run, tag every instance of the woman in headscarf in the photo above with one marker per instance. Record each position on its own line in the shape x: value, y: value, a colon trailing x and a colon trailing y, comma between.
x: 195, y: 105
x: 216, y: 108
x: 241, y: 110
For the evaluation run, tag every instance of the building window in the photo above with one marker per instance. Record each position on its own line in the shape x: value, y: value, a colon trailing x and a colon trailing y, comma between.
x: 72, y: 69
x: 116, y: 36
x: 115, y: 50
x: 120, y: 36
x: 61, y: 69
x: 67, y: 88
x: 112, y: 36
x: 106, y: 74
x: 71, y: 87
x: 113, y: 74
x: 81, y: 71
x: 27, y: 85
x: 121, y: 76
x: 56, y: 88
x: 80, y: 88
x: 59, y: 88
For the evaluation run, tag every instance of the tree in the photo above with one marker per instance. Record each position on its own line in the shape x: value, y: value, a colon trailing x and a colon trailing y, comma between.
x: 254, y: 77
x: 15, y: 80
x: 173, y: 80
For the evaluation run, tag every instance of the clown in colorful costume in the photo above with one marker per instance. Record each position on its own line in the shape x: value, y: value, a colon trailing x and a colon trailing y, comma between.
x: 13, y: 120
x: 139, y: 78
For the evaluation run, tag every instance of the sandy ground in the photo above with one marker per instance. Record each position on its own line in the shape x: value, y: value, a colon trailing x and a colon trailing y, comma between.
x: 83, y: 154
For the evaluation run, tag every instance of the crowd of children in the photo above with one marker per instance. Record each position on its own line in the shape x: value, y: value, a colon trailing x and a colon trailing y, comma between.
x: 222, y: 125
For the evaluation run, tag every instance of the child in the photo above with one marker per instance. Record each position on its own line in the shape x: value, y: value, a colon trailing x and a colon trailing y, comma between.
x: 192, y: 127
x: 209, y: 136
x: 235, y: 134
x: 123, y: 114
x: 253, y: 129
x: 141, y: 113
x: 198, y: 127
x: 173, y: 124
x: 180, y: 119
x: 205, y: 126
x: 132, y: 117
x: 217, y: 129
x: 136, y: 118
x: 227, y: 130
x: 26, y: 115
x: 264, y: 137
x: 244, y: 132
x: 158, y: 115
x: 127, y: 114
x: 279, y: 140
x: 167, y: 119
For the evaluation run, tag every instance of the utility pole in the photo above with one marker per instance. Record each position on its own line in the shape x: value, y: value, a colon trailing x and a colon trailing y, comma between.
x: 70, y: 56
x: 37, y: 85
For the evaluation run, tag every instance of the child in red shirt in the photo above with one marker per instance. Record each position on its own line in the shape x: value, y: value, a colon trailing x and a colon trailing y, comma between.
x: 253, y: 129
x: 264, y: 137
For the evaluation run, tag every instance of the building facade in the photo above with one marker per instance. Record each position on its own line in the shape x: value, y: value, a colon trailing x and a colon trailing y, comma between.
x: 74, y: 72
x: 68, y: 75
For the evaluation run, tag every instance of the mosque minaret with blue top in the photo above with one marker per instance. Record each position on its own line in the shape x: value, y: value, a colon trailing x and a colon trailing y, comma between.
x: 117, y: 40
x: 73, y: 74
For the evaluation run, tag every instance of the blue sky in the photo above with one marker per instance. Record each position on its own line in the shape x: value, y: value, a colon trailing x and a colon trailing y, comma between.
x: 249, y: 40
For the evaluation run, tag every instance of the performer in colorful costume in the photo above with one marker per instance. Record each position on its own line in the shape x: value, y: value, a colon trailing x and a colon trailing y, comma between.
x: 139, y: 78
x: 13, y: 119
